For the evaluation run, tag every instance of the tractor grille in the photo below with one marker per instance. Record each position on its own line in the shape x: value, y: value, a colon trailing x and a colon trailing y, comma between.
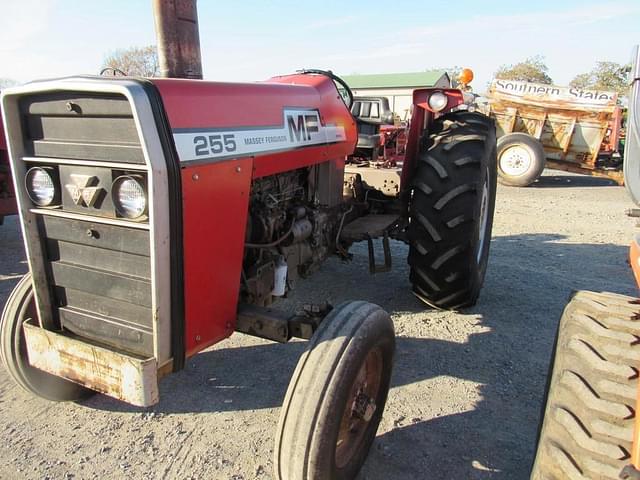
x: 97, y: 265
x: 81, y: 126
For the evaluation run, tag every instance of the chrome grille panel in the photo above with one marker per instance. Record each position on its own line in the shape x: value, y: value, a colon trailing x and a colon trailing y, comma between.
x: 97, y: 267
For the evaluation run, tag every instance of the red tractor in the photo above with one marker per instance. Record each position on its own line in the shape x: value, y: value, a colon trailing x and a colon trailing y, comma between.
x: 380, y: 141
x: 162, y: 215
x: 7, y: 197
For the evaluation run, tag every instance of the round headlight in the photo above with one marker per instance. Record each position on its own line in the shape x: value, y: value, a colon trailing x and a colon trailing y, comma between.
x: 129, y: 196
x: 40, y: 186
x: 438, y: 101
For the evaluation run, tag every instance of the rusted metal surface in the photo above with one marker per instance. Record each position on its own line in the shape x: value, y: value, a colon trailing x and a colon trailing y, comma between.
x: 361, y: 406
x: 264, y: 323
x: 570, y: 123
x: 612, y: 137
x: 394, y: 139
x: 386, y: 180
x: 373, y: 226
x: 118, y: 375
x: 280, y: 326
x: 615, y: 175
x: 178, y: 38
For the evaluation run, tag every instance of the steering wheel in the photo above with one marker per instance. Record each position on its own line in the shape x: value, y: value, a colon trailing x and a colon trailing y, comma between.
x: 116, y: 72
x: 340, y: 83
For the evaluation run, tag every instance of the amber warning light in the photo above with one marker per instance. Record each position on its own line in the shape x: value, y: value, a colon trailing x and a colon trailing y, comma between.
x: 466, y: 76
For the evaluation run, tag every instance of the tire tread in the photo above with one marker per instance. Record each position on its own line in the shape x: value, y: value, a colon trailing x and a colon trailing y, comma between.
x: 590, y: 409
x: 311, y: 389
x: 444, y: 271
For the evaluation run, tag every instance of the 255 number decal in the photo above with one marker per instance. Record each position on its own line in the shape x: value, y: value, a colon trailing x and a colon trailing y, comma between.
x: 214, y: 144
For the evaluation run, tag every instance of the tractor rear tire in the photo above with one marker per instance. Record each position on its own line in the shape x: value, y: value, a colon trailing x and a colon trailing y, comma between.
x: 13, y: 350
x: 588, y: 421
x: 521, y: 160
x: 451, y: 210
x: 336, y: 396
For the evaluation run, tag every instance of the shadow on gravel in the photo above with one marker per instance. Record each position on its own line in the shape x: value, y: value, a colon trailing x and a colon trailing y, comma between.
x: 529, y: 280
x: 528, y: 284
x: 564, y: 181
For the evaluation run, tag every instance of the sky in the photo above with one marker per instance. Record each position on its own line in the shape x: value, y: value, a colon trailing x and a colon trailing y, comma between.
x: 254, y: 40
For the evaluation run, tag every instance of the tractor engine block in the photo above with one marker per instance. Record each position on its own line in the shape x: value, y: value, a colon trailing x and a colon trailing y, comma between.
x: 287, y: 228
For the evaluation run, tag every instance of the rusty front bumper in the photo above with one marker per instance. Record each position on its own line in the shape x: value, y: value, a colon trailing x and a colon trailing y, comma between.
x: 133, y: 380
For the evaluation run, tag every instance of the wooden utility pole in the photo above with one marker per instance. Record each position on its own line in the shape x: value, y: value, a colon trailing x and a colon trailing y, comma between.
x: 178, y: 38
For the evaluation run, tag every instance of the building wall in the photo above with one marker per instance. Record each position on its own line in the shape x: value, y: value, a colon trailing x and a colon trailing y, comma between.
x: 400, y: 99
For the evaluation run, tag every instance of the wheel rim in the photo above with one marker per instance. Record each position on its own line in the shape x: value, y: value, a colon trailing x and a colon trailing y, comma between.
x: 516, y: 160
x: 360, y: 408
x: 484, y: 216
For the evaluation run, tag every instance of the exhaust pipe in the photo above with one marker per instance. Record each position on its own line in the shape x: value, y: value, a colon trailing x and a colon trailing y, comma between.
x: 178, y: 38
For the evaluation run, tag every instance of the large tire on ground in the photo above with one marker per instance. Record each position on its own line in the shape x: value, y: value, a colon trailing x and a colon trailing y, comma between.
x: 13, y: 350
x: 451, y: 210
x: 336, y: 396
x: 589, y: 415
x: 521, y: 159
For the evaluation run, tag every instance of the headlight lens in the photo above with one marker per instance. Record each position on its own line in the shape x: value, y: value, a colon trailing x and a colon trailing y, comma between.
x: 438, y: 101
x: 129, y: 196
x: 40, y: 186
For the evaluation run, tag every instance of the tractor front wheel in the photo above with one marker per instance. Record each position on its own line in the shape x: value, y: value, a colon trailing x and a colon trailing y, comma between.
x: 336, y: 396
x: 13, y: 350
x: 451, y: 210
x: 588, y: 422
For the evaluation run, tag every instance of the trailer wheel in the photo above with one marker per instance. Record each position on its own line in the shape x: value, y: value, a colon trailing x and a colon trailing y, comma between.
x: 589, y: 416
x: 336, y: 396
x: 20, y: 307
x: 520, y: 159
x: 451, y: 210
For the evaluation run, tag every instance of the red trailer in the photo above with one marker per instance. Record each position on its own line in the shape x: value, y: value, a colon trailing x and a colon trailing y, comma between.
x: 7, y: 197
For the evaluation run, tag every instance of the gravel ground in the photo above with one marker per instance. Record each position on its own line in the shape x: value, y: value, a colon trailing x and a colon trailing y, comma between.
x: 466, y: 390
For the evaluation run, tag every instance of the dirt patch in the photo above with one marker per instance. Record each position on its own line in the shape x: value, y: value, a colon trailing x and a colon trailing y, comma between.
x: 466, y: 391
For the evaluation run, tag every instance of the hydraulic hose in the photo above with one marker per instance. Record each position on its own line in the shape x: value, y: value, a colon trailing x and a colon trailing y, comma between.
x: 275, y: 242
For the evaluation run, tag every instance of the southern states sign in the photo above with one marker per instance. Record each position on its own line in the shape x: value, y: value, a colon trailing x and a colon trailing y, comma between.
x: 525, y: 92
x: 300, y: 128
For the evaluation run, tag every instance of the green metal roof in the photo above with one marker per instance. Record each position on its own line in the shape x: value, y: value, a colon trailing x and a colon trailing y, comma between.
x: 394, y: 80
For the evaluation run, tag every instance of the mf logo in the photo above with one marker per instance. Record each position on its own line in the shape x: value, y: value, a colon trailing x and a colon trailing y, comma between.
x: 301, y: 126
x: 84, y: 190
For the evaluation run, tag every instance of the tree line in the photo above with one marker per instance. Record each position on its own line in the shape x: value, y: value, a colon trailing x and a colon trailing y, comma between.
x: 604, y: 75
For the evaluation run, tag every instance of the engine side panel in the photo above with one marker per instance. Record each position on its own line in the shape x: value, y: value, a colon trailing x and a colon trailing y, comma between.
x: 215, y: 197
